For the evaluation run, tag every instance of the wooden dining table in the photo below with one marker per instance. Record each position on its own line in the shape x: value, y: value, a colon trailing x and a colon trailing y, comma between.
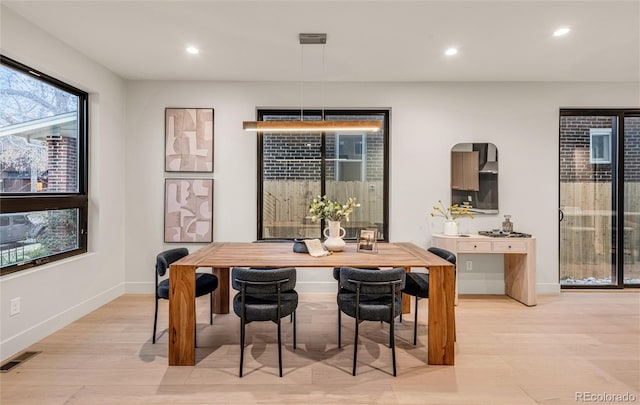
x: 222, y: 256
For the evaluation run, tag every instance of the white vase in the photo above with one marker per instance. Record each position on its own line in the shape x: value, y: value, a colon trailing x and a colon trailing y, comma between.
x: 450, y: 228
x: 334, y: 241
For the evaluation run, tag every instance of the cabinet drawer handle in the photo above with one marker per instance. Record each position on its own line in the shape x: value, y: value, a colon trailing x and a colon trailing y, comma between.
x: 509, y: 246
x: 475, y: 246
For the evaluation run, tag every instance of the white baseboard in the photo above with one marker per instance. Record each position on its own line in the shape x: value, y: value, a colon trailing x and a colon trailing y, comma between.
x: 317, y: 287
x: 493, y: 287
x: 139, y: 287
x: 14, y: 344
x: 330, y: 287
x: 548, y: 288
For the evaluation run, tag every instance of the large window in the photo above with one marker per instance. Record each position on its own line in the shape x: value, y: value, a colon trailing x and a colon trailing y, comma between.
x: 295, y: 167
x: 43, y: 168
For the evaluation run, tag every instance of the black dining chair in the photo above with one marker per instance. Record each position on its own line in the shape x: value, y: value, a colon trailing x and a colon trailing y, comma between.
x: 264, y: 295
x: 371, y: 296
x: 272, y: 241
x: 205, y: 283
x: 336, y: 276
x: 417, y: 285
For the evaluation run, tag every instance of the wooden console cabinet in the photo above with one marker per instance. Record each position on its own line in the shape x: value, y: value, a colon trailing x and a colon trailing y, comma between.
x: 519, y: 260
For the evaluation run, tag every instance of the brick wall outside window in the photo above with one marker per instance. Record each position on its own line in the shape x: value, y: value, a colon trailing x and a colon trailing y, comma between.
x: 62, y: 163
x: 575, y: 166
x: 297, y: 157
x: 291, y: 157
x: 632, y: 150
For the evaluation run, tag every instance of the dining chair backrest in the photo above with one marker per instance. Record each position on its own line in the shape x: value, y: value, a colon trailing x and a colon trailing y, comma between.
x: 164, y: 259
x: 267, y: 276
x: 380, y: 280
x: 443, y: 253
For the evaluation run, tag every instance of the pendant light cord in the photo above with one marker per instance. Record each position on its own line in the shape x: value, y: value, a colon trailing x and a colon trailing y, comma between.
x: 322, y: 84
x: 301, y: 82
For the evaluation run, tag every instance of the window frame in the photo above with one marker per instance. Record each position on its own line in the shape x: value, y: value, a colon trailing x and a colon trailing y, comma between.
x: 600, y: 133
x: 618, y: 159
x: 316, y: 113
x: 47, y: 201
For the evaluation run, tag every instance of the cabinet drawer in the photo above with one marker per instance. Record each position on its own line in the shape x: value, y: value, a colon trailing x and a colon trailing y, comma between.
x: 470, y: 246
x: 516, y: 246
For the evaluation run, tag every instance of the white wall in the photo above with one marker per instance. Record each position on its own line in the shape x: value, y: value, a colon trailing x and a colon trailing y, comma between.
x: 427, y: 119
x: 58, y: 293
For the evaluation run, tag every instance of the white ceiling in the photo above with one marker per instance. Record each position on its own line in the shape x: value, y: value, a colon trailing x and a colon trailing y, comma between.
x: 390, y: 40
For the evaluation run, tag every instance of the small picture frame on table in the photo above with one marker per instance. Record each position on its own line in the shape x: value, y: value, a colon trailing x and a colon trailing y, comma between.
x: 368, y: 241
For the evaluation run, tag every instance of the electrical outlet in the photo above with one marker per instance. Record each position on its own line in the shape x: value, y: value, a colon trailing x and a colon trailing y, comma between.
x: 469, y: 265
x: 469, y: 198
x: 14, y: 306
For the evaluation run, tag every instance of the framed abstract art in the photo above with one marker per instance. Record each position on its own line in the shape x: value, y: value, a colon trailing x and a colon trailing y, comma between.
x: 188, y: 210
x: 188, y: 140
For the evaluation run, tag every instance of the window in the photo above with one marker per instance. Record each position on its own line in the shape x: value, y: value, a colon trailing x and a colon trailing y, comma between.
x: 351, y: 161
x: 43, y: 168
x: 599, y: 228
x: 600, y: 145
x: 295, y: 167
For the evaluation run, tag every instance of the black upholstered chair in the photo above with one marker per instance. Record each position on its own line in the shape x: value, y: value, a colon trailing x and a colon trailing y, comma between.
x: 336, y: 276
x: 264, y: 295
x: 205, y: 283
x: 271, y: 241
x: 418, y: 285
x: 371, y: 296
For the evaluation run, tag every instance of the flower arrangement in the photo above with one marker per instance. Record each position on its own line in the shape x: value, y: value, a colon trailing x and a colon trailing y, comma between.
x: 322, y: 207
x: 452, y: 212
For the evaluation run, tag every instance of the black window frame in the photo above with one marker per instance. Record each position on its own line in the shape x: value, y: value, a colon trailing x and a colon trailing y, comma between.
x: 617, y: 153
x: 46, y: 201
x: 316, y: 113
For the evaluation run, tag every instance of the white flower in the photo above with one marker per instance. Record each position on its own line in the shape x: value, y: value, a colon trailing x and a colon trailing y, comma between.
x: 322, y: 207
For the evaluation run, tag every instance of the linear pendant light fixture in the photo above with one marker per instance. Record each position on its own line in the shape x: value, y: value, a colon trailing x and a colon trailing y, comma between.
x: 315, y: 125
x: 312, y: 126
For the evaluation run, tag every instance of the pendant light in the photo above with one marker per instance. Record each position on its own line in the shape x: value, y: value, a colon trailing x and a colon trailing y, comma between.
x: 316, y: 125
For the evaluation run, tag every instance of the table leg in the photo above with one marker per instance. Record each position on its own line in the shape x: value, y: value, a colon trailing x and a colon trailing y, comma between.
x: 520, y: 278
x: 182, y: 315
x: 221, y: 294
x: 441, y: 315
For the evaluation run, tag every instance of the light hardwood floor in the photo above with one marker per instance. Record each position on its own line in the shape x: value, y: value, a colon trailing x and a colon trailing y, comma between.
x: 506, y: 353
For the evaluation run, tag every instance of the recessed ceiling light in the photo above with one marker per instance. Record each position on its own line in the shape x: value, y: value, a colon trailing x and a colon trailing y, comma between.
x: 193, y: 50
x: 561, y: 31
x: 451, y: 51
